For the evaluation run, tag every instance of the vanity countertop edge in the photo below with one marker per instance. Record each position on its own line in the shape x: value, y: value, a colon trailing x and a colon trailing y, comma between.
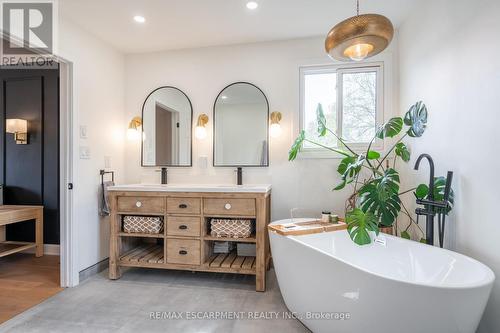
x: 200, y: 188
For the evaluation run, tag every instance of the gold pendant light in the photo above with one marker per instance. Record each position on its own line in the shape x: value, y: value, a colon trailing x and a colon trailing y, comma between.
x: 359, y: 37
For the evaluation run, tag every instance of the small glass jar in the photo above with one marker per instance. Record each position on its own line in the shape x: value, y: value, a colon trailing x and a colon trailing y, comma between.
x: 325, y: 216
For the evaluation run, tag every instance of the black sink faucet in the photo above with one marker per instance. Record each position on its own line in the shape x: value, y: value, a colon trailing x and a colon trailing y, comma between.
x: 239, y: 176
x: 164, y: 175
x: 428, y: 212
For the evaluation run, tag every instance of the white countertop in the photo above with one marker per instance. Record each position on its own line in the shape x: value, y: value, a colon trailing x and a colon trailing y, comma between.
x: 255, y: 188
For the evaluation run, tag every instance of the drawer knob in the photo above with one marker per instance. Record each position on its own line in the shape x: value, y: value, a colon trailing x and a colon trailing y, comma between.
x: 227, y: 206
x: 183, y: 227
x: 138, y: 204
x: 183, y: 206
x: 183, y: 252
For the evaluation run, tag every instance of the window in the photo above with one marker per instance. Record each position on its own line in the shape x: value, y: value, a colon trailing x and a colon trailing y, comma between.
x: 351, y: 98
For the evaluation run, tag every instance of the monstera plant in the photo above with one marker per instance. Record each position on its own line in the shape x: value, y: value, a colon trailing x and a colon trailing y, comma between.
x: 375, y: 201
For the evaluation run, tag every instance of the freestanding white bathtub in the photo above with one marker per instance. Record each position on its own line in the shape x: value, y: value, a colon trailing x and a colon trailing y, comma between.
x: 391, y: 285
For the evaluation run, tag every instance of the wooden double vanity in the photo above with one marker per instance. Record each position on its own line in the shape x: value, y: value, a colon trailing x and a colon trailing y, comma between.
x: 193, y: 219
x: 185, y: 242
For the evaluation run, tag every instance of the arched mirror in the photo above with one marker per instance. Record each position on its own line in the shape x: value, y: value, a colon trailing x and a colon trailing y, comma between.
x: 241, y: 113
x: 166, y: 124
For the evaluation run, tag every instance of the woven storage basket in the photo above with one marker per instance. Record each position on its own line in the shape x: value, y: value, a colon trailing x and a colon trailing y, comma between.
x: 143, y: 224
x: 231, y: 228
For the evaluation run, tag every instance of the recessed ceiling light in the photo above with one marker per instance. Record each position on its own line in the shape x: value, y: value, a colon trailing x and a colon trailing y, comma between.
x: 252, y: 5
x: 139, y: 19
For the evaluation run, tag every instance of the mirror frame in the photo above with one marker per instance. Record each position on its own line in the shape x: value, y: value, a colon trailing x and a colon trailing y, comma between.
x: 142, y: 132
x: 214, y: 134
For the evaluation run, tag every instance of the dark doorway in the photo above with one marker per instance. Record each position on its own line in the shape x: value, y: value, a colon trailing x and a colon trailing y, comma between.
x: 30, y: 172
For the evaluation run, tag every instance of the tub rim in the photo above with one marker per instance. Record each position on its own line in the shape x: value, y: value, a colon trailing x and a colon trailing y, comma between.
x: 489, y: 280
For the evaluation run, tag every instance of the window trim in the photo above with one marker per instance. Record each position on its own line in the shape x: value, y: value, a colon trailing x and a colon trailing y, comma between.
x: 377, y: 67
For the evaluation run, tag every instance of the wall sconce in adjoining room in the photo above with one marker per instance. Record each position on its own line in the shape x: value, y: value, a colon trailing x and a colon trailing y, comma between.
x: 275, y: 128
x: 134, y: 129
x: 200, y: 132
x: 19, y: 127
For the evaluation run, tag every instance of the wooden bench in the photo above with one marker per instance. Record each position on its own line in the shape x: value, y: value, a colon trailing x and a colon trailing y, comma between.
x: 10, y: 214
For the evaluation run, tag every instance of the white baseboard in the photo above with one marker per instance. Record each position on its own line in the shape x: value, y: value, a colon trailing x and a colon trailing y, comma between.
x: 48, y: 249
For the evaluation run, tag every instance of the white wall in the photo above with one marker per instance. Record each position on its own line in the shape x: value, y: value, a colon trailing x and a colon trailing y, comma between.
x: 202, y: 74
x: 98, y: 94
x: 449, y: 59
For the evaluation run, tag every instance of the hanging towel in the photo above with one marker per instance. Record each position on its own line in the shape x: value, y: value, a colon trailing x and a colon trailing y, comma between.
x: 104, y: 204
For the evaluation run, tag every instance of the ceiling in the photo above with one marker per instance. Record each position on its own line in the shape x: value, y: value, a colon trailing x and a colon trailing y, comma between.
x: 179, y: 24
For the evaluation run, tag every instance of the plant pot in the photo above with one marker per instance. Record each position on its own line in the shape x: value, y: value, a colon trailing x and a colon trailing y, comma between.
x: 387, y: 230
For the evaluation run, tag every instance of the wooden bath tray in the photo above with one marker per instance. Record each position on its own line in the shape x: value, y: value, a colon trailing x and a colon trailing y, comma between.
x: 306, y: 228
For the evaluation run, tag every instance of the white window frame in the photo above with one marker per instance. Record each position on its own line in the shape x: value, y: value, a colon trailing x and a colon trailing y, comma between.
x: 340, y: 69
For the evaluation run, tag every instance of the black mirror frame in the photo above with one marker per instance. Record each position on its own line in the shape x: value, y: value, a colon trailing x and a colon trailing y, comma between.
x: 142, y: 132
x: 267, y: 130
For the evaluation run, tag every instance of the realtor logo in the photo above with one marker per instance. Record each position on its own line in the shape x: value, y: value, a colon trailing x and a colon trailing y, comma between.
x: 27, y: 27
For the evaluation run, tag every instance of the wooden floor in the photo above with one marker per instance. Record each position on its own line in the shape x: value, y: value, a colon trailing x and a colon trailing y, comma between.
x: 26, y: 281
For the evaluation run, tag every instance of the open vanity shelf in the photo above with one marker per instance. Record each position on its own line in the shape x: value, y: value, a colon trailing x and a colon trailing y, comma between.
x: 143, y: 254
x: 231, y: 262
x: 185, y: 242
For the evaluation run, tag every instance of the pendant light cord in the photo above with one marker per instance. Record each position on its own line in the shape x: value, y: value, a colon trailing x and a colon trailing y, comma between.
x: 357, y: 7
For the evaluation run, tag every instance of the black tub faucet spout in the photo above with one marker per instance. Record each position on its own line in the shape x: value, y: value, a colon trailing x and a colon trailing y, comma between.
x: 428, y: 212
x: 431, y: 176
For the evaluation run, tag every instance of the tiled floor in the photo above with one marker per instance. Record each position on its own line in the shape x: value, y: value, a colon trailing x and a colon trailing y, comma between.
x: 125, y: 305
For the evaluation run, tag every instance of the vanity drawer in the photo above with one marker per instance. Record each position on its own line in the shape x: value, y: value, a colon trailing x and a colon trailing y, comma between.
x: 183, y: 251
x: 183, y: 226
x: 244, y: 207
x: 149, y: 205
x: 184, y: 205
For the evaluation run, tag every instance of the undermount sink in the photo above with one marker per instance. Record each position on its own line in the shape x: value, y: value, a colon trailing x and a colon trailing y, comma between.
x: 255, y: 188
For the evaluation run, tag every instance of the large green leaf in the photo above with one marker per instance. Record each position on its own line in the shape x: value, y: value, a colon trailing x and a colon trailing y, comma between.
x: 320, y: 117
x: 422, y: 191
x: 359, y: 224
x: 391, y: 128
x: 349, y: 168
x: 342, y: 169
x: 439, y: 187
x: 297, y: 146
x: 402, y: 151
x: 344, y: 164
x: 416, y: 118
x: 380, y: 197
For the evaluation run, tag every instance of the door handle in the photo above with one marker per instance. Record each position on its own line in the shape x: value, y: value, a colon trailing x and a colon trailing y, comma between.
x: 183, y: 206
x: 183, y: 252
x: 183, y: 227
